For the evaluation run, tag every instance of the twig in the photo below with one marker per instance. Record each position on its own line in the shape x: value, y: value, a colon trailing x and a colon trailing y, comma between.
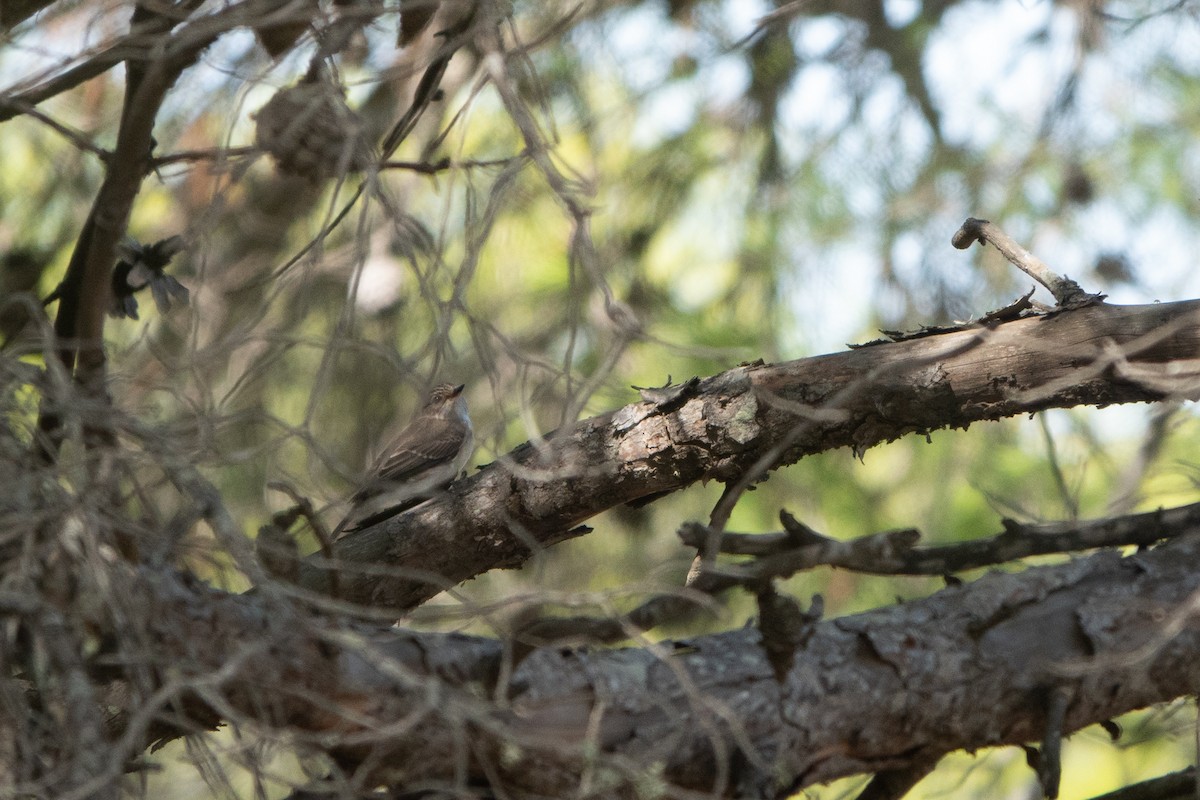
x: 130, y: 46
x: 1056, y: 470
x: 1165, y: 787
x: 444, y: 164
x: 63, y: 647
x: 207, y: 154
x: 16, y: 105
x: 75, y: 137
x: 428, y: 87
x: 209, y: 504
x: 892, y: 784
x: 1129, y: 482
x: 677, y: 606
x: 1067, y: 293
x: 780, y: 15
x: 1049, y: 766
x: 895, y: 553
x: 707, y: 551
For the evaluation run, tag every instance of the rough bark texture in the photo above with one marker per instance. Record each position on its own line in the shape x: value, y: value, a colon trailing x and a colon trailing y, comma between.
x: 968, y: 667
x: 892, y: 689
x: 721, y: 427
x: 108, y: 649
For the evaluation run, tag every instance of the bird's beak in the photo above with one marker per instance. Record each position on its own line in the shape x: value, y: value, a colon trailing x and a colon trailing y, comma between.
x: 458, y: 390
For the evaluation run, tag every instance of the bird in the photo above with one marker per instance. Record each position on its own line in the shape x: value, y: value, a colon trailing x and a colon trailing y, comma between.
x: 421, y: 461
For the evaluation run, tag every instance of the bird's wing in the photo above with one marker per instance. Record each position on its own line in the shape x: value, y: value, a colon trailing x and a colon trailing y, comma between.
x: 416, y: 448
x: 421, y: 457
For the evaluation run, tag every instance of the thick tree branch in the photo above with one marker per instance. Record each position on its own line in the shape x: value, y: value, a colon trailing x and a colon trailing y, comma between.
x: 84, y: 294
x: 762, y: 416
x: 892, y: 689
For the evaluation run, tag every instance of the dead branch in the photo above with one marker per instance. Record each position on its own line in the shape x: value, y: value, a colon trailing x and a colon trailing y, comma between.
x: 1067, y: 293
x: 727, y: 426
x: 895, y: 553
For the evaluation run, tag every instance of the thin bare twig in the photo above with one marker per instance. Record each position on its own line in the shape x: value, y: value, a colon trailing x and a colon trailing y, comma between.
x: 800, y: 548
x: 207, y: 154
x: 132, y: 45
x: 1067, y: 293
x: 1175, y: 785
x: 1056, y: 469
x: 895, y: 552
x: 70, y: 134
x: 893, y: 784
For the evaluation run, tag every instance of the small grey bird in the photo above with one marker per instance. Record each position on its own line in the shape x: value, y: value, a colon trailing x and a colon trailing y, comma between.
x: 420, y: 462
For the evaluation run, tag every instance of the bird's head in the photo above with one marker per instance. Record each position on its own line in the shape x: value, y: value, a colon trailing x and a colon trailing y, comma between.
x: 446, y: 399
